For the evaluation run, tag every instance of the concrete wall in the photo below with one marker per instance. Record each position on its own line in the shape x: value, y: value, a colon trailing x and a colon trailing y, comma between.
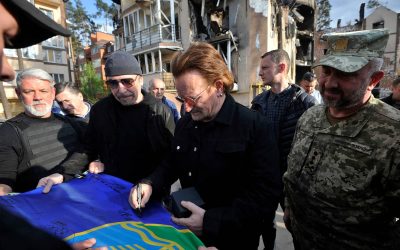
x: 391, y: 21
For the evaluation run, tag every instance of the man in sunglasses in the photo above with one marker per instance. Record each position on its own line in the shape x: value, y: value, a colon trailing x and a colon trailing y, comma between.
x: 129, y: 131
x: 224, y: 150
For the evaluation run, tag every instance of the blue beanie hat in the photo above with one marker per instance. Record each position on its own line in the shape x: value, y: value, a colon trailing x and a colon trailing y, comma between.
x: 122, y: 63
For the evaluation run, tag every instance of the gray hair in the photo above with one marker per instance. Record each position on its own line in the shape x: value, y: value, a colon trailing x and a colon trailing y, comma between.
x: 34, y: 73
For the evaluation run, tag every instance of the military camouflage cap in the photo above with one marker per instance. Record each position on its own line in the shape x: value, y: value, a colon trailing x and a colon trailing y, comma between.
x: 350, y: 51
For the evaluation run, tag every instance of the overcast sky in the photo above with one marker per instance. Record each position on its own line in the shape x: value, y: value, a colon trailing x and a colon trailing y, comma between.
x: 348, y: 10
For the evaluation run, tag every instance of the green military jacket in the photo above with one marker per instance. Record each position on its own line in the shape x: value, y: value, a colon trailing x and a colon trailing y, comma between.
x: 343, y: 180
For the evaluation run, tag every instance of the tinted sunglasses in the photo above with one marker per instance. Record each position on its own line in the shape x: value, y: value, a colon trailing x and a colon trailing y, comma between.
x: 191, y: 101
x: 127, y: 82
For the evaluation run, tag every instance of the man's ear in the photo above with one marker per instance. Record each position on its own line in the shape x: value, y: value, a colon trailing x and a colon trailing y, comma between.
x: 18, y: 92
x: 219, y: 84
x: 282, y: 67
x: 80, y: 96
x: 375, y: 79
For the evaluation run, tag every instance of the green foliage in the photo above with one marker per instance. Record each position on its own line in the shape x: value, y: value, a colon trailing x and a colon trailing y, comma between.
x: 372, y: 4
x: 106, y: 11
x: 80, y: 23
x: 91, y: 84
x: 323, y: 14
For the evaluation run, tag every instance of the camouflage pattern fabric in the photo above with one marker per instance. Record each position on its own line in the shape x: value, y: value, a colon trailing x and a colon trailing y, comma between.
x: 350, y: 51
x: 343, y: 180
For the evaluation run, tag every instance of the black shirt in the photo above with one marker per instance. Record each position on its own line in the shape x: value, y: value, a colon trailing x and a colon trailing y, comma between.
x: 133, y: 149
x: 232, y: 161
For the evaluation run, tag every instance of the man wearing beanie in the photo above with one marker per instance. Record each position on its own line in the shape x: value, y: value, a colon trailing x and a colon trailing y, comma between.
x: 129, y: 131
x: 343, y: 179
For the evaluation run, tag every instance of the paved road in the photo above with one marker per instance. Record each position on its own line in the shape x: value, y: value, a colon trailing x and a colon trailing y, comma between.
x: 283, y: 238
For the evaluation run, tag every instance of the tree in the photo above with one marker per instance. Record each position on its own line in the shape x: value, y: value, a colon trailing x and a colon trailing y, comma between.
x: 372, y: 4
x: 91, y: 84
x: 323, y: 14
x: 80, y: 23
x: 106, y: 11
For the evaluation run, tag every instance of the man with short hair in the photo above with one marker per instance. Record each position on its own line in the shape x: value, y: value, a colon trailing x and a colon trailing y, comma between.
x: 282, y: 104
x: 157, y: 89
x: 36, y: 142
x: 17, y: 20
x: 308, y: 83
x: 129, y: 131
x: 394, y: 98
x: 70, y: 99
x: 343, y: 178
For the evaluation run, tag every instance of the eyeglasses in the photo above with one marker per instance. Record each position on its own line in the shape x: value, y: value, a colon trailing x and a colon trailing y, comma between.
x: 127, y: 82
x: 191, y: 100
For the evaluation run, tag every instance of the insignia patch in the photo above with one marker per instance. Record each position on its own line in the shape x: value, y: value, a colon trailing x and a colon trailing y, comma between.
x: 355, y: 146
x: 340, y: 44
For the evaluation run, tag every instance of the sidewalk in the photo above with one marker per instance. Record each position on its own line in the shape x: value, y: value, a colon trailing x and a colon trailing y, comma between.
x: 283, y: 239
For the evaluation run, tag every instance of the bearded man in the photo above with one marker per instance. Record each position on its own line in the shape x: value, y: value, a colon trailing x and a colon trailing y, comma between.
x: 36, y: 142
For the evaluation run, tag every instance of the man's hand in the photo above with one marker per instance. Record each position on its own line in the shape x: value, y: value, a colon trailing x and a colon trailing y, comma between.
x: 195, y: 221
x: 96, y: 167
x: 87, y: 244
x: 286, y: 219
x: 147, y: 190
x: 49, y: 181
x: 5, y: 189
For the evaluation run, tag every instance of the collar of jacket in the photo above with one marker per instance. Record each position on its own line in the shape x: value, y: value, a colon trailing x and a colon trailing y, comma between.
x: 349, y: 127
x: 225, y: 114
x: 261, y: 99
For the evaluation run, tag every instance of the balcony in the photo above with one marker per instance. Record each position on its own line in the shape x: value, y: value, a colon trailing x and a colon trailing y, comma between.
x: 153, y: 35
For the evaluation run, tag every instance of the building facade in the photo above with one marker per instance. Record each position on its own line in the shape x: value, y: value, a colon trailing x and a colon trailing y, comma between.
x: 101, y: 44
x: 383, y: 17
x: 152, y: 30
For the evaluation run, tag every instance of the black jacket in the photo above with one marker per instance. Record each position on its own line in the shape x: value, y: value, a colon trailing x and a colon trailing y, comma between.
x: 232, y: 162
x: 16, y: 233
x: 286, y: 127
x: 101, y: 139
x: 389, y: 100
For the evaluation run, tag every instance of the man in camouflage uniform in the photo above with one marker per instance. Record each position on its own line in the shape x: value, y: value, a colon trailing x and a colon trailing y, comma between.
x: 343, y: 179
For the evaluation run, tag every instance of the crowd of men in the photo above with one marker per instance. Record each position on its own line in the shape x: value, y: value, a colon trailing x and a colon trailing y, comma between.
x: 331, y: 157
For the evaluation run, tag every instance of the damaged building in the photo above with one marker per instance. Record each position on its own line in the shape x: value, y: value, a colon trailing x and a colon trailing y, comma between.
x: 152, y: 30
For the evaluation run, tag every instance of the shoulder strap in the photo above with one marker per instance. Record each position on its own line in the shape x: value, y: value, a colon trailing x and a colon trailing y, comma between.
x: 77, y: 125
x: 24, y: 142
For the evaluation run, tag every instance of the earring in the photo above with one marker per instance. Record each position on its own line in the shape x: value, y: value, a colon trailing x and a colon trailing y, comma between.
x: 219, y: 94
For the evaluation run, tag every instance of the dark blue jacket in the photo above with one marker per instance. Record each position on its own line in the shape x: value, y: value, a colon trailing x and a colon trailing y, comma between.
x: 172, y: 107
x: 286, y: 127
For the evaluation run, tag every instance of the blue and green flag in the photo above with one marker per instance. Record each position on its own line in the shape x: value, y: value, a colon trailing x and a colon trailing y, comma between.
x: 97, y: 207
